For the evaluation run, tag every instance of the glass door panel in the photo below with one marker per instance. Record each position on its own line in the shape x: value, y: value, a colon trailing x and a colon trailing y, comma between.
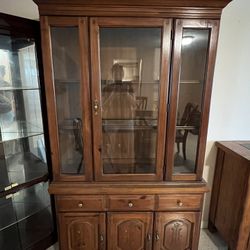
x: 193, y: 57
x: 66, y: 65
x: 27, y: 217
x: 194, y: 50
x: 22, y: 145
x: 130, y: 68
x: 129, y: 90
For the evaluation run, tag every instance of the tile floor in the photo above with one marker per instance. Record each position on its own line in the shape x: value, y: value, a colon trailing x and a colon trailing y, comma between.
x: 208, y: 241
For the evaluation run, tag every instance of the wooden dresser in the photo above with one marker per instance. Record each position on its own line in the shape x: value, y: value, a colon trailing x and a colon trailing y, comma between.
x: 128, y: 86
x: 230, y: 204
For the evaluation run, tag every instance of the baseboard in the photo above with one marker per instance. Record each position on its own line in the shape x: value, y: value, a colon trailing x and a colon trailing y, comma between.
x: 204, y: 224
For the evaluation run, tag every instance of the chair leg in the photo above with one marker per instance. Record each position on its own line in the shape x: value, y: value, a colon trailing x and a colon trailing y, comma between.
x: 178, y: 147
x: 184, y: 146
x: 184, y: 150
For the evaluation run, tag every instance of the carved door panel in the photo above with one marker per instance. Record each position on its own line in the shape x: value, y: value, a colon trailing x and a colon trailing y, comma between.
x: 82, y: 231
x: 176, y: 231
x: 128, y: 231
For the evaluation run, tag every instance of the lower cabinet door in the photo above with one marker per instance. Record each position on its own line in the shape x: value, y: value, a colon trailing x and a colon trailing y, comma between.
x: 82, y: 231
x: 130, y: 231
x: 176, y: 231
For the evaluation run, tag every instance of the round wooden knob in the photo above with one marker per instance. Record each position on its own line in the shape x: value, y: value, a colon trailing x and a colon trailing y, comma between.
x: 80, y: 204
x: 130, y: 204
x: 179, y: 203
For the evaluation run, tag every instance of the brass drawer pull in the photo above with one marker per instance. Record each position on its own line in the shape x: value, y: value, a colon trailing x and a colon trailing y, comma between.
x: 130, y: 204
x: 179, y: 203
x: 80, y: 204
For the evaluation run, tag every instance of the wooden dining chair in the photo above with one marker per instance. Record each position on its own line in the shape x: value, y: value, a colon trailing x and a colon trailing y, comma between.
x: 190, y: 117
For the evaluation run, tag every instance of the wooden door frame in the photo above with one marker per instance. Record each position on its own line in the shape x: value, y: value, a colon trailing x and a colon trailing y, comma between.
x: 81, y: 23
x: 180, y: 24
x: 166, y: 25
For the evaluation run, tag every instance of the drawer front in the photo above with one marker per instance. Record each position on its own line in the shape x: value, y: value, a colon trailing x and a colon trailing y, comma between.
x: 131, y: 202
x: 80, y: 203
x: 179, y: 202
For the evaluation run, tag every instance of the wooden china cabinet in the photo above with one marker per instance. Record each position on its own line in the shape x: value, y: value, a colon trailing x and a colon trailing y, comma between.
x: 128, y: 86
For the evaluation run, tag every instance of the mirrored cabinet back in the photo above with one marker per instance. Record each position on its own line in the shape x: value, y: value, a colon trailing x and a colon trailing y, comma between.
x: 128, y: 86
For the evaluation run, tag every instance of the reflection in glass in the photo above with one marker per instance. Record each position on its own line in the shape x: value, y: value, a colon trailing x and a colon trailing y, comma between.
x: 192, y: 79
x: 130, y: 68
x: 24, y: 161
x: 22, y: 148
x: 65, y: 48
x: 20, y: 107
x: 27, y: 214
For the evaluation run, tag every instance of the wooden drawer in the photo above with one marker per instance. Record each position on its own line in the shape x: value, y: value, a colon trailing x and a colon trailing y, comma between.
x: 179, y: 202
x: 131, y: 202
x: 80, y: 203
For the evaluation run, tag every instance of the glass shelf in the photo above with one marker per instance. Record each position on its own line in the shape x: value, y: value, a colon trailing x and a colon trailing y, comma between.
x: 24, y: 168
x: 67, y: 81
x: 35, y: 228
x: 23, y: 204
x: 24, y: 161
x: 128, y: 166
x: 119, y: 125
x: 21, y: 88
x: 27, y: 218
x: 19, y: 129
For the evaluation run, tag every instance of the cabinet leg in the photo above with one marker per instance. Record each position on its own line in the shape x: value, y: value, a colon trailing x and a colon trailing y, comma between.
x: 211, y: 227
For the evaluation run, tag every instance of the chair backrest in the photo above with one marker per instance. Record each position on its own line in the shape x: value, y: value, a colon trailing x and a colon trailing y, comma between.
x: 141, y: 102
x: 189, y: 108
x: 195, y: 120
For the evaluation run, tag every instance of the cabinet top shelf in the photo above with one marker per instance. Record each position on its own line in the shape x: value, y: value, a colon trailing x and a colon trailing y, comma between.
x: 239, y: 148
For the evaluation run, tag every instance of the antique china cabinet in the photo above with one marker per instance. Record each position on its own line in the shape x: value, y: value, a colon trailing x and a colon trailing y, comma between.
x: 128, y: 87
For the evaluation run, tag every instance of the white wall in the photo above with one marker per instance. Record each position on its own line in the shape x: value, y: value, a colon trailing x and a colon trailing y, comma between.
x: 22, y: 8
x: 230, y: 104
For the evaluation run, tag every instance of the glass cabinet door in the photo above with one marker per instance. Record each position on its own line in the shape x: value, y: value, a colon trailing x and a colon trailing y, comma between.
x: 25, y: 204
x: 22, y: 146
x: 69, y: 130
x: 191, y: 88
x: 130, y: 80
x: 25, y: 218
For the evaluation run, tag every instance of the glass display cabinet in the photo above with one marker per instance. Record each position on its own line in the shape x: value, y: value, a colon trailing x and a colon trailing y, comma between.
x: 128, y: 86
x: 25, y: 219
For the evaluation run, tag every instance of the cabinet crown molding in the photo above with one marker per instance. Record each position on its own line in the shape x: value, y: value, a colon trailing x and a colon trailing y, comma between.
x: 137, y: 8
x: 163, y: 3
